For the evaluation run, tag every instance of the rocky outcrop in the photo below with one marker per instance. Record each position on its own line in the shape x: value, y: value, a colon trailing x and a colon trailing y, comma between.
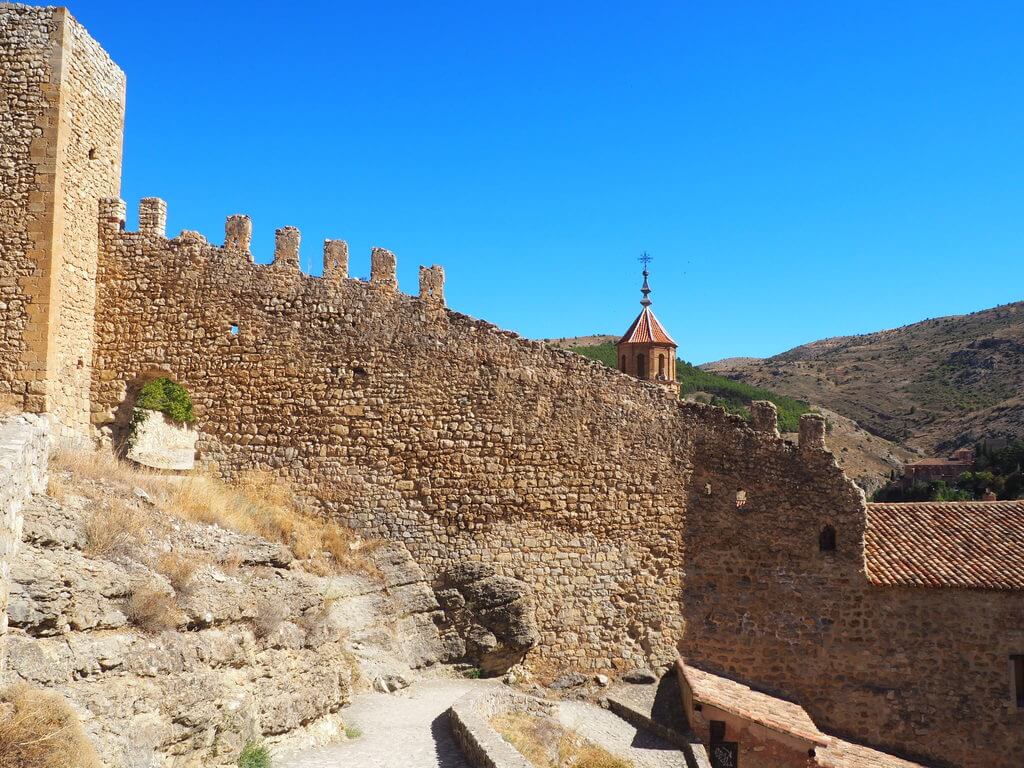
x: 489, y: 618
x: 254, y: 647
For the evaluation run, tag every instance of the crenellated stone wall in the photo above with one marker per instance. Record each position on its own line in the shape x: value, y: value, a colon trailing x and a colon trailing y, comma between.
x: 24, y: 455
x: 639, y: 521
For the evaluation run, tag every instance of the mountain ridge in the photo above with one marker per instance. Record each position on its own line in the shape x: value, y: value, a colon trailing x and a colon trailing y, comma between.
x: 931, y: 385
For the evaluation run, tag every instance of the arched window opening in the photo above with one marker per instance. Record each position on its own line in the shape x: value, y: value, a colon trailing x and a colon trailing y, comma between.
x: 827, y: 539
x: 661, y: 366
x: 641, y: 367
x: 623, y: 364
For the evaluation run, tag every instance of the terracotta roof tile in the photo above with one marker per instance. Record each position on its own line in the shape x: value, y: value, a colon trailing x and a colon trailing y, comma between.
x: 734, y: 697
x: 786, y: 717
x: 843, y: 754
x: 969, y: 544
x: 645, y: 330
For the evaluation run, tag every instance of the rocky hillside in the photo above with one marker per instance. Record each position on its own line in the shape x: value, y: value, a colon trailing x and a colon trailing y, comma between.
x: 933, y: 385
x: 183, y: 619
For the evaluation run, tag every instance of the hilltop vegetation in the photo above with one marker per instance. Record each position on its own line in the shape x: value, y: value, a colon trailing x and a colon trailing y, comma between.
x: 734, y: 396
x: 934, y: 385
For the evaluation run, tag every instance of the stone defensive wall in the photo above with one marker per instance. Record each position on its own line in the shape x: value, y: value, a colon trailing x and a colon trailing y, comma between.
x: 409, y: 421
x: 643, y: 523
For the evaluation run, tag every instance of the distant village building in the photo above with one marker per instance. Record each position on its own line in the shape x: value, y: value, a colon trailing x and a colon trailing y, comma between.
x: 646, y: 351
x: 931, y: 470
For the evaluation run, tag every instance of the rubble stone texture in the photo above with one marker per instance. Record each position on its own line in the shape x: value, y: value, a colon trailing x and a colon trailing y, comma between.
x: 640, y: 523
x: 62, y: 127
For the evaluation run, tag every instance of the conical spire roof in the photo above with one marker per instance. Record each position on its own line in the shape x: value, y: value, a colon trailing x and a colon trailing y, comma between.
x: 646, y: 329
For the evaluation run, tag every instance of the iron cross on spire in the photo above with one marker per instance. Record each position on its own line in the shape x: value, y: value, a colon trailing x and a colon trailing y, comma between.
x: 645, y: 259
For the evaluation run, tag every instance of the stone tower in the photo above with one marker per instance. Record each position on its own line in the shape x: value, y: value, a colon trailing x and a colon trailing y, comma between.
x: 60, y: 150
x: 646, y: 350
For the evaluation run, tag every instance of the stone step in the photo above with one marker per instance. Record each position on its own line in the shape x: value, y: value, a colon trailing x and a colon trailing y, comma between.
x: 658, y: 709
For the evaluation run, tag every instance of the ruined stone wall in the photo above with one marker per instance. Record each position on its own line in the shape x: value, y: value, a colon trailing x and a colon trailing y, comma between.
x: 917, y: 671
x: 24, y: 455
x: 61, y: 151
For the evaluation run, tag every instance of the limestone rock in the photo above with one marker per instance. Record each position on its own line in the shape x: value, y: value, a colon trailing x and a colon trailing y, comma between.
x: 493, y: 615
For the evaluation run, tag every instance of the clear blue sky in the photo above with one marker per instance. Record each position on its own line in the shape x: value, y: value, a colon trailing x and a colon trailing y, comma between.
x: 797, y: 169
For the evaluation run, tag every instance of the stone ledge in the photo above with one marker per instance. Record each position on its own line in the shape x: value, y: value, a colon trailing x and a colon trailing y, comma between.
x: 482, y: 746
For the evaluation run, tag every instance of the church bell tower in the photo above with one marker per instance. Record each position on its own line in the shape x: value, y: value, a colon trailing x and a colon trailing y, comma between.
x: 646, y: 351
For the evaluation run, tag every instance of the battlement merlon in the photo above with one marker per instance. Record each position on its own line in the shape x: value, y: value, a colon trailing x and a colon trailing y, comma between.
x: 383, y: 269
x: 812, y: 433
x: 153, y: 217
x: 113, y: 214
x: 764, y: 417
x: 432, y: 285
x: 238, y: 234
x: 335, y: 259
x: 286, y: 248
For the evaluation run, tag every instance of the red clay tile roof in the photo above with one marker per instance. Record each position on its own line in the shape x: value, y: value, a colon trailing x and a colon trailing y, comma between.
x: 971, y: 544
x: 843, y: 754
x: 645, y: 330
x: 777, y: 714
x: 941, y: 463
x: 783, y: 716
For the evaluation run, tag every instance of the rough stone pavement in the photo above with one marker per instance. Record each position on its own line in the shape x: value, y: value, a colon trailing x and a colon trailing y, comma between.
x: 407, y: 729
x: 608, y: 730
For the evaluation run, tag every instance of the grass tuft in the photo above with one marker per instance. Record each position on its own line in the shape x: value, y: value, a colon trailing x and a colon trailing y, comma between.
x: 179, y: 570
x: 112, y: 529
x: 38, y: 729
x: 545, y: 743
x: 152, y: 610
x: 254, y: 755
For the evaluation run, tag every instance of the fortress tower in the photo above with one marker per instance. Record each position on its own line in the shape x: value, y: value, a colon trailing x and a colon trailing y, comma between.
x: 62, y: 123
x: 646, y: 350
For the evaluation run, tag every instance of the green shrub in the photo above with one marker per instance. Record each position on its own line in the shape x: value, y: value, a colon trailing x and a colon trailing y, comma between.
x: 167, y: 397
x: 473, y: 673
x: 351, y: 732
x: 254, y: 756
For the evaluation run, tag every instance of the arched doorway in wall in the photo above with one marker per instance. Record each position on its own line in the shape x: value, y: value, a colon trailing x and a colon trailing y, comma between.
x: 641, y: 366
x: 153, y: 423
x: 661, y: 367
x: 622, y: 364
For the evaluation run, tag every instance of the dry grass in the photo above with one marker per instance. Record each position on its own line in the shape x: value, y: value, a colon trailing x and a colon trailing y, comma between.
x: 152, y: 610
x: 39, y: 730
x: 270, y: 614
x: 179, y: 570
x: 257, y: 503
x: 113, y: 528
x: 547, y: 744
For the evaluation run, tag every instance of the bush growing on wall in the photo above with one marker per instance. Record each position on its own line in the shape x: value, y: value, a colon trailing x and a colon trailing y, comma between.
x: 169, y: 398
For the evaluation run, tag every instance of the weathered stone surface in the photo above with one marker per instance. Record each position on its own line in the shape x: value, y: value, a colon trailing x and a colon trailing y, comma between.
x: 493, y: 615
x: 160, y: 443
